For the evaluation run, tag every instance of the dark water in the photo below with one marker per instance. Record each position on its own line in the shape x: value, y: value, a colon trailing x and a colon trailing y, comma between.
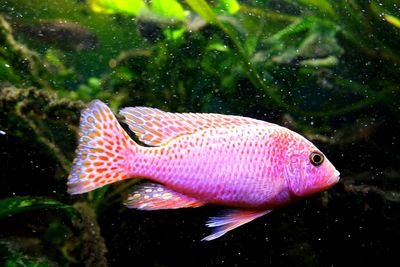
x: 329, y: 70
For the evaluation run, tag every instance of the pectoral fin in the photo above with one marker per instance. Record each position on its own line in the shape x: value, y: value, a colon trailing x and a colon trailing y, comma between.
x: 230, y: 220
x: 157, y: 197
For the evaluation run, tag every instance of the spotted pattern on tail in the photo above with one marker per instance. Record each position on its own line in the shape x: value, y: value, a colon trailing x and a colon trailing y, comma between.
x: 103, y: 150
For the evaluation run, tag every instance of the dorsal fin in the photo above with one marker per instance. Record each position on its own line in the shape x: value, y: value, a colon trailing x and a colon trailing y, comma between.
x: 155, y: 127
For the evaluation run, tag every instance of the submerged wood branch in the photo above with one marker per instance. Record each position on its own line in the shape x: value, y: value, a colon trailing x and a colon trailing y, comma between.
x: 36, y: 109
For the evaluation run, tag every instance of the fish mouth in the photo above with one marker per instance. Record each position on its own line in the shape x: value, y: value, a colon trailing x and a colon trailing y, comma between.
x: 334, y: 179
x: 330, y: 182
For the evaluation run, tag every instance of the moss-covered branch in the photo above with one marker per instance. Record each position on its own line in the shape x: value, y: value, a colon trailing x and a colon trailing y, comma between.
x: 36, y: 108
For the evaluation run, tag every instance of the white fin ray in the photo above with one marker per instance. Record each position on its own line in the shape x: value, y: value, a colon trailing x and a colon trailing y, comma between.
x: 230, y: 220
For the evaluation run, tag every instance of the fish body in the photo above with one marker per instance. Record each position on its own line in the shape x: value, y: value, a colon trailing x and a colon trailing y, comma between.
x: 194, y: 159
x: 232, y: 166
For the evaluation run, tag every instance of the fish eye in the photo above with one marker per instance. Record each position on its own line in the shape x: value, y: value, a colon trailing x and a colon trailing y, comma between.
x: 316, y: 158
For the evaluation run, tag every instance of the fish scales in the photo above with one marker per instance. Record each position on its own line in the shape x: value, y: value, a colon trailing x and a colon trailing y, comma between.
x: 221, y: 163
x: 195, y: 159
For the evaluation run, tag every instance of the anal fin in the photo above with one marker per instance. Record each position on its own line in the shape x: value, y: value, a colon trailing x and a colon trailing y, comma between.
x: 157, y: 197
x: 230, y: 220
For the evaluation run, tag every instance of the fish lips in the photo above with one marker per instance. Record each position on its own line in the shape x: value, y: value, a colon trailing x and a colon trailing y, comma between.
x: 334, y: 179
x: 325, y: 184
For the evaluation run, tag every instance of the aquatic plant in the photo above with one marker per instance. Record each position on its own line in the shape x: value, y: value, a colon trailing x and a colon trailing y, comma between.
x: 306, y: 45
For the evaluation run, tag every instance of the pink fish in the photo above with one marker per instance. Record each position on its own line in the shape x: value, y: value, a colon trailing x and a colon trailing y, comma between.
x: 193, y: 159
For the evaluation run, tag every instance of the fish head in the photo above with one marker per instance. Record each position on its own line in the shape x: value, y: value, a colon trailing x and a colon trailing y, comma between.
x: 307, y: 169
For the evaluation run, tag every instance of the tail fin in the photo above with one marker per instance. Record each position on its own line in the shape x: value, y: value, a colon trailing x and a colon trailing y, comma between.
x: 103, y: 153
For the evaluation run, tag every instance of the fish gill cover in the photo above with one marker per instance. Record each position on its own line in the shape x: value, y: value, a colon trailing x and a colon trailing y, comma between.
x: 328, y: 70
